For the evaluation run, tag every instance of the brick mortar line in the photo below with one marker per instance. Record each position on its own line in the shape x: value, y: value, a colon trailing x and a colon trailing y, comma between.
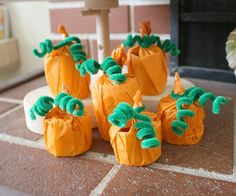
x: 113, y: 36
x: 68, y: 5
x: 102, y: 157
x: 10, y: 111
x: 20, y: 141
x: 11, y: 100
x: 110, y: 159
x: 200, y: 172
x: 106, y: 179
x: 151, y: 2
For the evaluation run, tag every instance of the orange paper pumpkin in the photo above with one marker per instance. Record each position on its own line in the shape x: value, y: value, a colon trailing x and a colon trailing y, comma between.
x: 193, y: 134
x: 106, y: 96
x: 60, y: 65
x: 127, y: 148
x: 60, y: 69
x: 67, y: 135
x: 167, y: 113
x: 149, y: 65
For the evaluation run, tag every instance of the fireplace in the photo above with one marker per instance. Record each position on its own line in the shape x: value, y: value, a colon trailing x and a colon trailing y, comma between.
x: 200, y: 29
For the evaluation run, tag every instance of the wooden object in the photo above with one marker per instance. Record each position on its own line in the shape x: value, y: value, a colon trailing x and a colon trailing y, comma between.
x: 101, y: 8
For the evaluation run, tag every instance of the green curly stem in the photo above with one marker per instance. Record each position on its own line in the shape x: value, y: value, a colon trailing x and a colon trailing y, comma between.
x: 42, y: 106
x: 91, y: 66
x: 217, y: 102
x: 109, y: 66
x: 113, y: 70
x: 189, y: 97
x: 179, y: 125
x: 47, y: 46
x: 68, y: 103
x: 145, y: 131
x: 205, y: 97
x: 146, y: 41
x: 77, y: 52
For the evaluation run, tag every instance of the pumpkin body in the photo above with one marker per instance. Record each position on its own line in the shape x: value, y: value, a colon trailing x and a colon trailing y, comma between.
x: 106, y: 96
x: 60, y: 70
x: 67, y: 135
x: 150, y: 67
x: 127, y: 147
x: 167, y: 113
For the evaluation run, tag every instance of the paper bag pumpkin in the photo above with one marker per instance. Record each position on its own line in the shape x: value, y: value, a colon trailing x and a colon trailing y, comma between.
x: 182, y: 113
x: 106, y: 96
x: 128, y: 138
x: 67, y: 135
x: 59, y: 66
x: 67, y: 128
x: 109, y: 90
x: 147, y: 59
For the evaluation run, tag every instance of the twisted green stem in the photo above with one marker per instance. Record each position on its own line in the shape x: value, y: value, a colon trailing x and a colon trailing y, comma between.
x: 190, y: 96
x: 146, y: 41
x: 42, y: 106
x: 145, y: 131
x: 179, y: 125
x: 68, y: 103
x: 47, y: 46
x: 109, y: 66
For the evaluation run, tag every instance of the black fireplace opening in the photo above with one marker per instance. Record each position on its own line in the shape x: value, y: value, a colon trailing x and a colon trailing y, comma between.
x: 200, y: 29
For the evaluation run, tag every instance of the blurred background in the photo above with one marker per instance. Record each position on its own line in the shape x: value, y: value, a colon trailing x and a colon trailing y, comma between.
x: 199, y: 28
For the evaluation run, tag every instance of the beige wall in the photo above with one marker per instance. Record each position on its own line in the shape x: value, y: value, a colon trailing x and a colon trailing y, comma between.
x: 30, y: 25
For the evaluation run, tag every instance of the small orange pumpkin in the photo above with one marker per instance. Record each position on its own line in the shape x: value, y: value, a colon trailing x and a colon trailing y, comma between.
x: 167, y: 113
x: 127, y: 147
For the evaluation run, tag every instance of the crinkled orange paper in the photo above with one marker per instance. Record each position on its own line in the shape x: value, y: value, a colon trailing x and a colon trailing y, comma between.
x: 67, y: 135
x: 60, y: 69
x: 149, y: 65
x: 167, y: 113
x: 127, y: 147
x: 106, y: 96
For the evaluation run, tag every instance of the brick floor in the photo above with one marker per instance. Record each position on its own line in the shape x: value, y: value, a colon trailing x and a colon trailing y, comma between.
x: 145, y: 181
x: 215, y: 148
x: 227, y: 89
x: 5, y: 106
x: 100, y: 145
x: 20, y: 91
x: 36, y: 172
x: 14, y: 124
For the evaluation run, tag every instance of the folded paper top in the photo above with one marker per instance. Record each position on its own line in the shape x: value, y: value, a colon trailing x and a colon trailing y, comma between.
x: 124, y: 113
x: 178, y: 87
x: 63, y: 100
x: 145, y: 28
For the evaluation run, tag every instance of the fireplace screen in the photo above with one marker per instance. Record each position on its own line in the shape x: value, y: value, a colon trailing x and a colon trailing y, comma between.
x: 200, y: 28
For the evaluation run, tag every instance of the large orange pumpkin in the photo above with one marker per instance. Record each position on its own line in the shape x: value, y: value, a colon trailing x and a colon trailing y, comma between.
x: 106, y: 96
x: 149, y: 65
x: 60, y: 65
x: 60, y: 70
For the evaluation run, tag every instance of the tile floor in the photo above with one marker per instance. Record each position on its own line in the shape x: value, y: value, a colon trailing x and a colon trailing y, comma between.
x: 204, y: 169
